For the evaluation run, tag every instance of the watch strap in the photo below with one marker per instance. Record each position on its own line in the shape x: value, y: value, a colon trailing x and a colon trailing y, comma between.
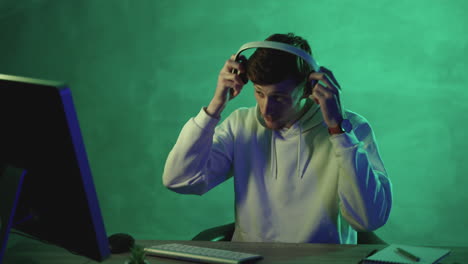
x: 335, y: 130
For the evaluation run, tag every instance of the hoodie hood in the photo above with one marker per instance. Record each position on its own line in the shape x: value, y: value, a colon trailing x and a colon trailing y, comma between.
x: 308, y: 121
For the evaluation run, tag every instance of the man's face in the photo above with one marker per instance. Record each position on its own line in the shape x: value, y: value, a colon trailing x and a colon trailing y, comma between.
x: 279, y: 103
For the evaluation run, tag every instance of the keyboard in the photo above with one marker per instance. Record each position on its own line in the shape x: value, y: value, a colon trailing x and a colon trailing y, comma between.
x: 200, y: 254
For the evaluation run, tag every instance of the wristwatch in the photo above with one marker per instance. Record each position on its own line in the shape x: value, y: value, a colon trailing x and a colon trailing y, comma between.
x: 344, y: 127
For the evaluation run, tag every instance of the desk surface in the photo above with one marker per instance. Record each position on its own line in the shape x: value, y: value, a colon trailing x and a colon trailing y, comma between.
x: 33, y: 252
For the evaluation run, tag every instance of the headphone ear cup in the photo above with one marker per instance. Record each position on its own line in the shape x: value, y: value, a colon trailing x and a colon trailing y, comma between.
x: 307, y: 91
x: 243, y: 76
x: 308, y: 87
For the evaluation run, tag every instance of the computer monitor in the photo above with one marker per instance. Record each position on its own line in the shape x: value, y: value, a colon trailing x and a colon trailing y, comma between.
x: 11, y: 180
x: 40, y: 134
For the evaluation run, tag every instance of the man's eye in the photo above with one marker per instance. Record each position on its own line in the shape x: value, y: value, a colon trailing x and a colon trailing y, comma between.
x: 259, y: 93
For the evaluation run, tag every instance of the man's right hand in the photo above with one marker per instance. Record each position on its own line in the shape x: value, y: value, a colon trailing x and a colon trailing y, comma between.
x: 227, y: 80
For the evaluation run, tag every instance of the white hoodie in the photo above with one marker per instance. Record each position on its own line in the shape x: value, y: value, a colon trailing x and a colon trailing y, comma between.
x: 297, y: 185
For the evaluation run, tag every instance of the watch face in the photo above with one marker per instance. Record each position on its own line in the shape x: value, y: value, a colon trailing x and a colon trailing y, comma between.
x: 346, y: 125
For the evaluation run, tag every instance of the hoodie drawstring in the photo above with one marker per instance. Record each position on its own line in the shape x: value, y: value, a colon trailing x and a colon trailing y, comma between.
x: 273, y: 168
x: 273, y: 158
x: 300, y: 168
x: 299, y: 175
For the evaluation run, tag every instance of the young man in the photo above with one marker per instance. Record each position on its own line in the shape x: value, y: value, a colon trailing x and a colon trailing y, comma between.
x: 298, y: 175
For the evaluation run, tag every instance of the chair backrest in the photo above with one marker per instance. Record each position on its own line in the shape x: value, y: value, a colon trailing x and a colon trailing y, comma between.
x: 225, y: 232
x: 369, y: 238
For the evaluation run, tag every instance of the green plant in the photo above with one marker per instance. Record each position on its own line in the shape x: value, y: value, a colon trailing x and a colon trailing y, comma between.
x: 137, y: 255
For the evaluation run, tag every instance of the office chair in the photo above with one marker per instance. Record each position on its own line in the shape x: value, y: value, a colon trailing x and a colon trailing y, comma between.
x: 225, y: 232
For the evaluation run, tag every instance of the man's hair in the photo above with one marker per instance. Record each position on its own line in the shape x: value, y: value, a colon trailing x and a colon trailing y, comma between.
x: 269, y: 66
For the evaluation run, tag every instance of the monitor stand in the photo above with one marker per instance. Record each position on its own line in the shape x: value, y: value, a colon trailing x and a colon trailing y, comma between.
x: 11, y: 180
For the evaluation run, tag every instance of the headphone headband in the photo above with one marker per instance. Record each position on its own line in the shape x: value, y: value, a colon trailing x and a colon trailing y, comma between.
x: 280, y: 46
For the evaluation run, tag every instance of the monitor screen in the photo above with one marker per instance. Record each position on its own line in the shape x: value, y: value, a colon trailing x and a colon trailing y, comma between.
x: 40, y: 133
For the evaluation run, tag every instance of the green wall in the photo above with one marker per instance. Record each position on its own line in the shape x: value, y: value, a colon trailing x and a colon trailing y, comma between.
x: 139, y: 70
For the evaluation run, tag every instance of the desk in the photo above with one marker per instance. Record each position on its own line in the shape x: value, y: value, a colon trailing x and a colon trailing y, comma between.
x: 29, y: 251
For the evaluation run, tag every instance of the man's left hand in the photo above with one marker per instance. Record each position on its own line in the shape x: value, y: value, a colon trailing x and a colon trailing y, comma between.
x: 326, y: 93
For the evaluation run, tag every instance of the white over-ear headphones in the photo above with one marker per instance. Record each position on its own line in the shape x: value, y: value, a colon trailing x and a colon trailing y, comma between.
x: 280, y: 46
